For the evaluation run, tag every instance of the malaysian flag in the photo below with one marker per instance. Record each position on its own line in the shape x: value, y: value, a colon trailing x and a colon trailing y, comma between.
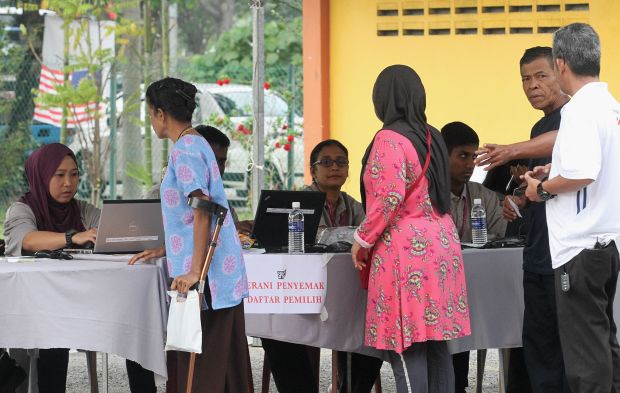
x: 78, y: 115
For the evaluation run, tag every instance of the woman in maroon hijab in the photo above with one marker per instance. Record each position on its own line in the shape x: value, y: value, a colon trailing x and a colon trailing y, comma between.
x: 48, y: 217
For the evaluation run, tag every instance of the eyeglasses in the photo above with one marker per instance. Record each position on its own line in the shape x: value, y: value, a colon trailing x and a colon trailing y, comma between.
x: 328, y: 162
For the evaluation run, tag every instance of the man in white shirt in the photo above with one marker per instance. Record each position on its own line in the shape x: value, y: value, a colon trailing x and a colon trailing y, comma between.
x: 582, y: 213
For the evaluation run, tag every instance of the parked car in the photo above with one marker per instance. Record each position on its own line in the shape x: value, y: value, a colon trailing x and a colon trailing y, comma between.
x: 229, y: 107
x: 226, y: 107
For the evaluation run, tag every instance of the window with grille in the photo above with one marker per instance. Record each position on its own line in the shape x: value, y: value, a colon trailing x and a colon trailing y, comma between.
x: 415, y: 18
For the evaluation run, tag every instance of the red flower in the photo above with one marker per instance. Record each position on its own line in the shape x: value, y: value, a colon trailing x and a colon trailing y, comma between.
x: 277, y: 145
x: 247, y: 131
x: 220, y: 82
x: 226, y: 81
x: 285, y: 126
x: 240, y: 127
x: 290, y: 138
x: 287, y: 147
x: 267, y: 85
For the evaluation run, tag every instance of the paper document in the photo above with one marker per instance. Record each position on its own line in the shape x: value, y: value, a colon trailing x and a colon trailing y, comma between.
x: 515, y: 207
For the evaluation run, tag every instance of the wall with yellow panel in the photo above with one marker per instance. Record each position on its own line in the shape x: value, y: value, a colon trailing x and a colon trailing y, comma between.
x: 467, y: 53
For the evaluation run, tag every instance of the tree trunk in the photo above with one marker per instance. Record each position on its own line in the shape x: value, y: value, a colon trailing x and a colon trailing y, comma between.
x: 165, y: 59
x: 227, y: 13
x: 130, y: 146
x: 147, y: 79
x: 193, y: 30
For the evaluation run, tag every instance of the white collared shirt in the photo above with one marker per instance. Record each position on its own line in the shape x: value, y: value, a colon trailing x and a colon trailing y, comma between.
x: 587, y: 147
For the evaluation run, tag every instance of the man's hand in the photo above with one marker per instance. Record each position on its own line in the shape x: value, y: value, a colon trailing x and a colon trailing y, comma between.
x: 509, y: 212
x: 532, y: 184
x: 148, y: 254
x: 245, y: 227
x: 539, y: 172
x: 492, y: 155
x: 517, y: 172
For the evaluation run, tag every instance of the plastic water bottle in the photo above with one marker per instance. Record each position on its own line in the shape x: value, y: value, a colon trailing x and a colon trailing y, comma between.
x: 478, y: 223
x: 296, y: 230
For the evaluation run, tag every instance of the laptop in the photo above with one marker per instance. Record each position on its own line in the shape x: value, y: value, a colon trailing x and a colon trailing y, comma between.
x: 271, y: 221
x: 128, y: 226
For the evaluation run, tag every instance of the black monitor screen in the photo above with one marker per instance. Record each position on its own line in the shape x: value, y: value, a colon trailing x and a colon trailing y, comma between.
x: 271, y: 223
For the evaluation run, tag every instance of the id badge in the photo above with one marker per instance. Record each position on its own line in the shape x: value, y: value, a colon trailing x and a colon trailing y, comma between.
x: 565, y: 282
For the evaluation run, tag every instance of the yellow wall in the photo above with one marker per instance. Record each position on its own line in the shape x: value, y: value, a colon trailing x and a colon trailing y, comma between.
x: 470, y: 78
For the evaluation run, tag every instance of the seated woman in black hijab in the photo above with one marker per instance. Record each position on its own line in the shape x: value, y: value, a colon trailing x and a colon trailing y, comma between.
x: 48, y: 217
x: 293, y: 365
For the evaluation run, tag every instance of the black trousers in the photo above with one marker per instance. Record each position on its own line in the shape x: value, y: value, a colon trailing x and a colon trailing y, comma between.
x: 586, y: 321
x: 52, y: 367
x: 364, y: 372
x: 518, y: 379
x: 291, y: 366
x: 541, y: 339
x: 460, y: 363
x: 53, y: 363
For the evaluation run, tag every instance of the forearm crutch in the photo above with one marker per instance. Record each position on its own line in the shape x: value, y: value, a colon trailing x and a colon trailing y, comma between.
x: 220, y: 215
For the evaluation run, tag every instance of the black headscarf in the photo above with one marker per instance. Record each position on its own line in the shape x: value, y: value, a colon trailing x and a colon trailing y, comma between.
x: 400, y: 102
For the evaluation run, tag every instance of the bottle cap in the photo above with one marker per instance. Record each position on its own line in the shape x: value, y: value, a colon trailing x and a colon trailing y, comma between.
x: 296, y: 205
x: 477, y: 201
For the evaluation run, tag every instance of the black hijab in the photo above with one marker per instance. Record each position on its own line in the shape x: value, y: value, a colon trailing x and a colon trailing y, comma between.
x: 400, y: 101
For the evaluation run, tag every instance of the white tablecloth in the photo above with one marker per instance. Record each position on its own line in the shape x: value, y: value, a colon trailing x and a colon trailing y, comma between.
x: 92, y: 305
x: 495, y: 294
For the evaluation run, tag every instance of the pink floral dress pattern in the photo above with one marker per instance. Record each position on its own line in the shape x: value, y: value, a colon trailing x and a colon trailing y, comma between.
x: 416, y: 288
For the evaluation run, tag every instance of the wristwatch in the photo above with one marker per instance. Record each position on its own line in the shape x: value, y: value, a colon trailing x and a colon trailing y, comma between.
x: 542, y: 194
x: 68, y: 235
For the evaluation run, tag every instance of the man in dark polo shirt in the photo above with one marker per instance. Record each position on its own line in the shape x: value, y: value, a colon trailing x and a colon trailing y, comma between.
x: 541, y: 342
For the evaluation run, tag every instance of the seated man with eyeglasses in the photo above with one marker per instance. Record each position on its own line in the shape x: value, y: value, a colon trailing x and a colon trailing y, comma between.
x: 293, y: 365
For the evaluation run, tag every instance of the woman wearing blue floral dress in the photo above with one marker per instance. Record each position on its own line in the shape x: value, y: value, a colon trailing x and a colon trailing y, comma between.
x: 193, y: 172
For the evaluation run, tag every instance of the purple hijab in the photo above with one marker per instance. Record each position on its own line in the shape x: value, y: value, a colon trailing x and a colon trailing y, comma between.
x: 50, y: 215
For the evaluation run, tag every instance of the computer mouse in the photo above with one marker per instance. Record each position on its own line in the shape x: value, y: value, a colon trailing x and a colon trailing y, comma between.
x: 53, y: 254
x: 43, y: 254
x: 340, y: 246
x: 88, y: 246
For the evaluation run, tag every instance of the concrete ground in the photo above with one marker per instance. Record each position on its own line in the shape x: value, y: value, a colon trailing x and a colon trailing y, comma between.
x: 77, y: 381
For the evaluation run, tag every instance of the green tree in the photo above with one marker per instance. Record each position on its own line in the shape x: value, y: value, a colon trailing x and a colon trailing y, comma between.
x: 92, y: 56
x: 15, y: 137
x: 231, y: 55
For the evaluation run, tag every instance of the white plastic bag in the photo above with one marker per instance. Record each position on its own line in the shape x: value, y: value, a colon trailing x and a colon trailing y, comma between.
x: 184, y: 329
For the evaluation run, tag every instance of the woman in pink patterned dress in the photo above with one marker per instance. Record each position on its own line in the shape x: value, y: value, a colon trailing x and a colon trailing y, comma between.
x: 417, y: 298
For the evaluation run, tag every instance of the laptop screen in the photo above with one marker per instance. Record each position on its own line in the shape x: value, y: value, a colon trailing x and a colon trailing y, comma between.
x: 129, y: 226
x: 271, y: 222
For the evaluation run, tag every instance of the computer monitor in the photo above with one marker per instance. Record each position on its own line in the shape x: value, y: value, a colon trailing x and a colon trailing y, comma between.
x: 129, y: 226
x: 271, y: 221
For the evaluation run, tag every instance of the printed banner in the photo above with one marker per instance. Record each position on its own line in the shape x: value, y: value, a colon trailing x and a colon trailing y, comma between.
x: 285, y: 284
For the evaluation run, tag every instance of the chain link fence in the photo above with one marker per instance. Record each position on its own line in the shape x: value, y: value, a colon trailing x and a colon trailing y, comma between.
x: 139, y: 156
x: 227, y: 105
x: 19, y: 73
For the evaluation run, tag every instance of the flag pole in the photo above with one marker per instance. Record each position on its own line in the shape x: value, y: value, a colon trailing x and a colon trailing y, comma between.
x: 65, y: 79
